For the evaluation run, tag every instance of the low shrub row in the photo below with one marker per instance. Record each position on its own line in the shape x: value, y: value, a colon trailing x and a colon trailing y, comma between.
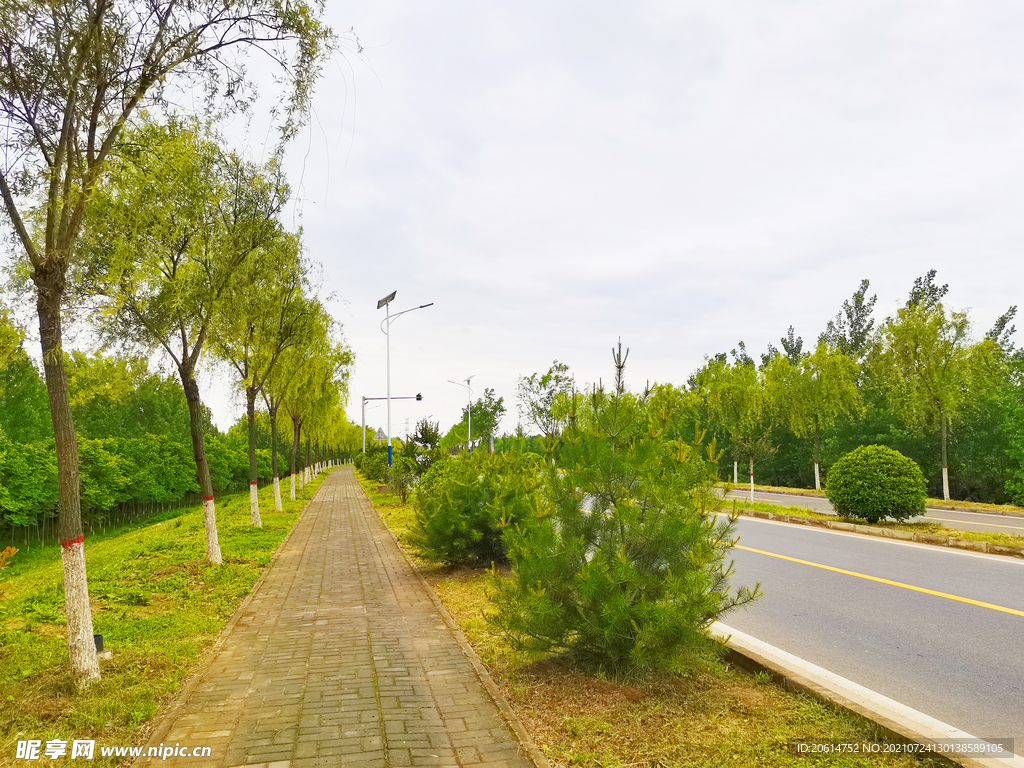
x: 152, y: 468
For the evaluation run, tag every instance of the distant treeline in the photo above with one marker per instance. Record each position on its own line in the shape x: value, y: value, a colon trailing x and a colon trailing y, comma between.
x: 921, y: 381
x: 133, y: 440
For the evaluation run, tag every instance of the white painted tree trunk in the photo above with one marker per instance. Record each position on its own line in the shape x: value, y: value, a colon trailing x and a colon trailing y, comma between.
x: 81, y: 647
x: 277, y: 494
x: 293, y: 486
x: 254, y: 505
x: 945, y: 468
x: 751, y: 481
x: 212, y: 542
x: 736, y: 472
x: 817, y: 478
x: 302, y: 479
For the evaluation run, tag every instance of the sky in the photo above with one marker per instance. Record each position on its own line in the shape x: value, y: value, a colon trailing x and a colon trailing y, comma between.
x: 555, y: 177
x: 679, y: 175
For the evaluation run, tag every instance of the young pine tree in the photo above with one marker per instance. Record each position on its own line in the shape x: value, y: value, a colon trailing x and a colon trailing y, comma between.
x: 623, y: 566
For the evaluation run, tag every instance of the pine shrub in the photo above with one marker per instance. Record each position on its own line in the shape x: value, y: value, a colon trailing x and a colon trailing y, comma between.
x: 873, y: 482
x: 464, y: 504
x: 623, y: 567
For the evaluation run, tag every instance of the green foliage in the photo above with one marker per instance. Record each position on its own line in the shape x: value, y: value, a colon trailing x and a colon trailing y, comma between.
x: 464, y: 504
x: 850, y: 332
x: 624, y: 566
x: 24, y: 405
x: 1014, y: 427
x: 374, y: 464
x: 11, y: 337
x: 403, y: 474
x: 537, y: 394
x: 427, y: 433
x: 158, y: 468
x: 103, y: 475
x: 28, y: 480
x: 874, y: 482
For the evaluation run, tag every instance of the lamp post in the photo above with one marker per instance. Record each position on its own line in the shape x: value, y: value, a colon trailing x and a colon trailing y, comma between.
x: 385, y: 327
x: 469, y: 412
x: 418, y: 396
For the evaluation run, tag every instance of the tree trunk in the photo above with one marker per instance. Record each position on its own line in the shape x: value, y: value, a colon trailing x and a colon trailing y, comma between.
x: 945, y: 468
x: 308, y: 475
x: 751, y: 479
x: 254, y: 501
x: 817, y: 453
x: 81, y: 648
x: 196, y: 430
x: 735, y: 472
x: 296, y: 453
x: 273, y: 459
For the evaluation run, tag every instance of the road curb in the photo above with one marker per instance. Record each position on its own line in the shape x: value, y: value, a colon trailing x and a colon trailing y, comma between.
x: 898, y: 721
x: 933, y: 539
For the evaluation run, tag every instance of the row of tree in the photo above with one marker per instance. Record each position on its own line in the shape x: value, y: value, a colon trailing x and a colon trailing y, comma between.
x: 172, y: 241
x: 917, y: 382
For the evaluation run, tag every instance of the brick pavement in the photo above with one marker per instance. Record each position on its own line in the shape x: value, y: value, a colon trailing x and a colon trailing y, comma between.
x: 339, y: 657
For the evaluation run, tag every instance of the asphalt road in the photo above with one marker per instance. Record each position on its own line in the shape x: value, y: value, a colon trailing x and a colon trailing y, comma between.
x: 964, y: 521
x: 960, y: 662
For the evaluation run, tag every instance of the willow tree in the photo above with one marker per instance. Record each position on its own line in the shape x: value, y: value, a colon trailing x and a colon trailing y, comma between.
x: 170, y: 229
x: 929, y: 370
x: 737, y: 398
x: 285, y: 376
x: 813, y: 392
x: 270, y: 313
x: 315, y: 395
x: 72, y: 73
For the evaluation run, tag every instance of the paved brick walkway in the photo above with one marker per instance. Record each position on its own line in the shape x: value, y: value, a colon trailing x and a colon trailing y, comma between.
x: 340, y: 657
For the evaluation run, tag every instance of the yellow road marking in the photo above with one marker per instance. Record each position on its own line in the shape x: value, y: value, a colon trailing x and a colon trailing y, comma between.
x: 886, y: 581
x: 968, y: 522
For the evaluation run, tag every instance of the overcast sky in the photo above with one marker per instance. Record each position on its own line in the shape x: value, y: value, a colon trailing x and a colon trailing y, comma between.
x: 683, y: 175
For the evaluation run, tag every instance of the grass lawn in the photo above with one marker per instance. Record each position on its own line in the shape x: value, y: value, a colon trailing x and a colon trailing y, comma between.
x: 709, y: 715
x: 155, y: 600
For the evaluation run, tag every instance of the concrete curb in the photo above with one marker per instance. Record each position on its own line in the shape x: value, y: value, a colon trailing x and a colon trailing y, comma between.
x: 934, y: 539
x: 946, y: 507
x: 897, y: 720
x: 169, y: 715
x: 511, y: 718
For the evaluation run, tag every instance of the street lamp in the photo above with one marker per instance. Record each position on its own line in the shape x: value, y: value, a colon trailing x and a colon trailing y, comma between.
x: 418, y: 396
x: 469, y: 412
x: 385, y: 327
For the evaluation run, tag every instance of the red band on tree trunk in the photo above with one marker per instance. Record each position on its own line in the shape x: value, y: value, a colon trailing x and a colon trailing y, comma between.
x: 276, y: 477
x: 252, y: 482
x: 71, y: 542
x: 207, y: 498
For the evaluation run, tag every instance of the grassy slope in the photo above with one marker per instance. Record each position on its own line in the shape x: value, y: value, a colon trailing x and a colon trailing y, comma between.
x: 156, y: 602
x: 708, y: 716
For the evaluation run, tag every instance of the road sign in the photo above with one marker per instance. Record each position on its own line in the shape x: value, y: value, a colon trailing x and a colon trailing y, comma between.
x: 381, y: 435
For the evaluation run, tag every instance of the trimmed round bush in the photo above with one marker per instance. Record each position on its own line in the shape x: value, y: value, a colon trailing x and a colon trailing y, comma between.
x: 874, y: 482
